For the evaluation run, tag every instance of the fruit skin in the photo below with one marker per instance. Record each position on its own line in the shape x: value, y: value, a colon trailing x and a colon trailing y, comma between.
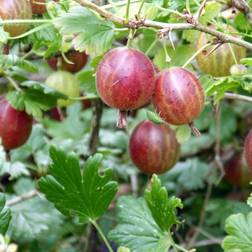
x: 56, y: 115
x: 125, y: 79
x: 153, y: 148
x: 79, y: 59
x: 237, y: 171
x: 38, y: 9
x: 219, y: 62
x: 15, y: 126
x: 52, y: 62
x: 15, y: 9
x: 65, y: 83
x: 248, y: 149
x: 178, y: 97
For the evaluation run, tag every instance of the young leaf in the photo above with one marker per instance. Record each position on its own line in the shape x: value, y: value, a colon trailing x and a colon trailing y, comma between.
x: 86, y: 195
x: 5, y: 215
x: 239, y: 229
x: 137, y: 230
x: 152, y: 116
x: 163, y: 209
x: 92, y: 34
x: 183, y: 133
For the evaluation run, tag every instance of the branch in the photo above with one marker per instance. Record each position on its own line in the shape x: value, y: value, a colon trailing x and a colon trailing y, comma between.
x: 232, y: 96
x: 23, y: 197
x: 96, y: 121
x: 208, y: 194
x: 208, y: 242
x: 224, y: 38
x: 217, y: 149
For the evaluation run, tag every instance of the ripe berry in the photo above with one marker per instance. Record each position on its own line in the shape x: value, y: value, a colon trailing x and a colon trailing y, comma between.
x: 178, y: 96
x: 38, y: 7
x: 79, y: 60
x: 125, y: 79
x: 65, y: 83
x: 15, y: 126
x: 248, y: 149
x: 153, y: 148
x: 15, y: 9
x: 237, y: 171
x: 218, y: 62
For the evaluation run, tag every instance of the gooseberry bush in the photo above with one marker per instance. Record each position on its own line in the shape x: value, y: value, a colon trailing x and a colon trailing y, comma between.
x: 125, y: 125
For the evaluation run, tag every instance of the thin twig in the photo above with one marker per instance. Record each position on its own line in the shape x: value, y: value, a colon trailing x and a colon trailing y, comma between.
x: 31, y: 194
x: 200, y: 10
x: 217, y: 158
x: 96, y: 121
x: 208, y: 242
x: 202, y: 215
x: 225, y: 38
x: 232, y: 96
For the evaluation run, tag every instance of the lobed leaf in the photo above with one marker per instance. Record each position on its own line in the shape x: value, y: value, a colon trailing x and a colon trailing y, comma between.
x: 162, y: 207
x: 86, y: 195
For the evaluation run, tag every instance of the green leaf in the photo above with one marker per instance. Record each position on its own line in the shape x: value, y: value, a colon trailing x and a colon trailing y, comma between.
x: 228, y: 123
x: 178, y: 57
x: 5, y: 215
x: 250, y: 200
x: 154, y: 117
x: 247, y: 61
x: 212, y: 10
x: 15, y: 168
x: 35, y: 218
x: 189, y: 175
x: 136, y: 229
x: 11, y: 60
x: 87, y: 81
x: 239, y: 229
x: 197, y: 144
x: 162, y: 207
x: 224, y: 207
x: 34, y: 98
x: 72, y: 127
x: 222, y: 85
x: 183, y: 133
x: 86, y: 195
x: 95, y: 37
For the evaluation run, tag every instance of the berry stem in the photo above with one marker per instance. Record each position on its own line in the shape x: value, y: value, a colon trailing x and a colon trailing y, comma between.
x: 127, y: 10
x: 195, y: 54
x: 24, y: 21
x: 233, y: 54
x: 140, y: 8
x: 13, y: 83
x: 122, y: 119
x: 151, y: 46
x: 194, y: 130
x: 41, y: 27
